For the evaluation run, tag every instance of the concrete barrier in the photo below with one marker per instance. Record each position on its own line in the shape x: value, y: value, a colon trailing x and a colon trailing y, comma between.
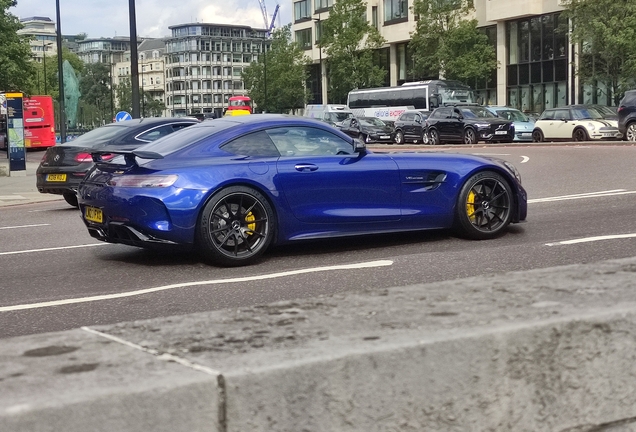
x: 543, y: 350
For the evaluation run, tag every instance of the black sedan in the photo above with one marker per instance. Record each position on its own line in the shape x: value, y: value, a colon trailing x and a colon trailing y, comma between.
x: 367, y: 129
x: 468, y: 124
x: 64, y: 165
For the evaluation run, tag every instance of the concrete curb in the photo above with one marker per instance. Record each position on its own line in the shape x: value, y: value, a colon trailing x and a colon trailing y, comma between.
x: 542, y: 350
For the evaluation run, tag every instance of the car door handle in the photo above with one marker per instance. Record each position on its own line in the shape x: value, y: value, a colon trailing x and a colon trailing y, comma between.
x: 306, y: 167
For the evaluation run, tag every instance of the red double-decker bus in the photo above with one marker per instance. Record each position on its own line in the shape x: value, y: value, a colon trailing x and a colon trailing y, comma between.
x: 39, y: 121
x: 240, y: 104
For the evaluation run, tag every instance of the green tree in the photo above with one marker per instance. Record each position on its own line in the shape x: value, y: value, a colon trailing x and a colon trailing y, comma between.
x: 123, y: 94
x: 349, y: 41
x: 16, y: 68
x: 448, y: 44
x: 96, y: 91
x: 606, y: 30
x: 151, y: 107
x: 276, y: 82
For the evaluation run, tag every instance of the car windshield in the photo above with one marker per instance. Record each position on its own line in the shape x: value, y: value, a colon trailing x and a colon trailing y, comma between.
x: 337, y: 117
x: 605, y: 111
x: 585, y: 114
x: 457, y: 95
x: 513, y: 115
x: 477, y: 112
x: 372, y: 121
x: 98, y: 136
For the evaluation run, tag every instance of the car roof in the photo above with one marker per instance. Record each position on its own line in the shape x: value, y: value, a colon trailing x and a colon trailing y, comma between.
x: 152, y: 121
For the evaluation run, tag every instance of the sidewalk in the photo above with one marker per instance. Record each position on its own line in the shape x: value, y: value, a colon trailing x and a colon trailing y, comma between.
x: 18, y: 187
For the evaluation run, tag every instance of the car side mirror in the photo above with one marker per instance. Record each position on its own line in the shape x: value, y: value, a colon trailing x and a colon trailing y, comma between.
x: 359, y: 146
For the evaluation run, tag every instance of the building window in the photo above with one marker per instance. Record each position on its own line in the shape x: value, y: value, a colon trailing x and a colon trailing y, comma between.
x: 374, y: 16
x: 323, y: 4
x: 303, y: 38
x: 395, y: 10
x: 302, y: 10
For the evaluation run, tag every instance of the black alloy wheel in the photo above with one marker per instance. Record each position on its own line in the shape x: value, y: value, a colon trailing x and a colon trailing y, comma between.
x: 470, y: 137
x: 236, y: 227
x: 484, y: 206
x: 71, y: 199
x: 399, y: 137
x: 537, y: 135
x: 433, y: 137
x: 580, y: 134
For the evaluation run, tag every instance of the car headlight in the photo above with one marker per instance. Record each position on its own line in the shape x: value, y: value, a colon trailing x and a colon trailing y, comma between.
x: 513, y: 170
x: 591, y: 126
x: 482, y: 125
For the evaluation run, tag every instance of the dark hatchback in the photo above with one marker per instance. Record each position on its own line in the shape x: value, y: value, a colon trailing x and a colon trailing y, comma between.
x: 367, y: 129
x: 467, y: 124
x: 64, y: 165
x: 627, y: 115
x: 411, y: 126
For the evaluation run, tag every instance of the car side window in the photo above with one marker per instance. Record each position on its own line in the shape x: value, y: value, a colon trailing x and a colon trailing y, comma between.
x: 562, y: 115
x: 257, y: 144
x: 443, y: 113
x: 156, y: 133
x: 305, y: 141
x: 547, y: 115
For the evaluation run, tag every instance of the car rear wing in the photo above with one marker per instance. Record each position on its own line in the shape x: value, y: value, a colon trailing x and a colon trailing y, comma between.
x: 130, y: 156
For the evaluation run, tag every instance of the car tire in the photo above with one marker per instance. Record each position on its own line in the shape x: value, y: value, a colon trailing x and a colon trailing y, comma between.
x: 470, y: 136
x: 580, y: 134
x: 484, y: 206
x: 235, y: 227
x: 424, y: 138
x: 630, y: 132
x: 71, y: 199
x: 433, y: 137
x: 399, y: 137
x: 537, y: 136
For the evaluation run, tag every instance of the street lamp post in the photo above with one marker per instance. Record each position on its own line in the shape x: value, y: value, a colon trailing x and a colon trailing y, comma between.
x: 134, y: 60
x: 318, y: 28
x: 60, y: 74
x: 44, y: 63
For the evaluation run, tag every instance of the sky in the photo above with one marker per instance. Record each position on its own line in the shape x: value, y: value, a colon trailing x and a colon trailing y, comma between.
x: 101, y: 18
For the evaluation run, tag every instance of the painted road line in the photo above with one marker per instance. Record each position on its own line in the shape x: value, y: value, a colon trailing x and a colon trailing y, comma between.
x: 524, y: 159
x: 51, y: 249
x: 380, y: 263
x: 23, y: 226
x: 592, y: 239
x: 583, y: 195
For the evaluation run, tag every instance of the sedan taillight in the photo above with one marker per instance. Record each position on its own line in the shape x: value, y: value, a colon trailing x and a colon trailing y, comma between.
x: 86, y: 157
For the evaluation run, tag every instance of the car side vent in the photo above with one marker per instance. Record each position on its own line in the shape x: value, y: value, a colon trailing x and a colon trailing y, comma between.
x: 430, y: 180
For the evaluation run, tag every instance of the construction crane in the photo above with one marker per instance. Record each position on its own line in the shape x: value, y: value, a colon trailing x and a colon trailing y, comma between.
x: 269, y: 26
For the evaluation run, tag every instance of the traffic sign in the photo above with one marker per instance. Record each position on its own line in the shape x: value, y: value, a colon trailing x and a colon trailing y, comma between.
x: 122, y: 115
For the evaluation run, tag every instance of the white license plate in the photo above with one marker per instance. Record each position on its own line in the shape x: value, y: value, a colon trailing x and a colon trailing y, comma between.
x: 501, y: 132
x: 608, y: 134
x: 384, y: 137
x: 526, y: 134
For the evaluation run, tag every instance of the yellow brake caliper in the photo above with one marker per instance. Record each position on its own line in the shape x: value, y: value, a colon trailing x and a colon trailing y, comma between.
x: 470, y: 206
x: 251, y: 226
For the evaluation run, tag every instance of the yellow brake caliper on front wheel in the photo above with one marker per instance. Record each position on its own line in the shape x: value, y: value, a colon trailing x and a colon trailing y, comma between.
x: 251, y: 226
x: 470, y: 206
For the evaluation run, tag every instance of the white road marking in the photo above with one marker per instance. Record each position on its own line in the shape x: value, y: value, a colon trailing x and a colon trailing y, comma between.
x: 592, y: 239
x: 12, y: 197
x: 583, y: 195
x: 23, y: 226
x: 380, y: 263
x: 524, y: 159
x: 52, y: 249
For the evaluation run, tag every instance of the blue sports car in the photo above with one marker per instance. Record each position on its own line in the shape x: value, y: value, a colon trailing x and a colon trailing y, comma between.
x: 232, y: 187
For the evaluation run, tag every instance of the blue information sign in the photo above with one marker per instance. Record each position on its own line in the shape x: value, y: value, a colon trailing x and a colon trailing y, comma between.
x: 122, y: 115
x: 15, y: 132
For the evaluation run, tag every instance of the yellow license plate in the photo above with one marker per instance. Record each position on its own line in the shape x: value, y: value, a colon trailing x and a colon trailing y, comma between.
x: 56, y: 177
x: 94, y: 214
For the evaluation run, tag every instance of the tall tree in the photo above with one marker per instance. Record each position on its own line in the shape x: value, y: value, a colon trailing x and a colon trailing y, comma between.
x: 151, y: 107
x: 349, y: 41
x: 123, y: 95
x: 16, y: 68
x: 606, y: 30
x: 276, y: 82
x: 447, y: 44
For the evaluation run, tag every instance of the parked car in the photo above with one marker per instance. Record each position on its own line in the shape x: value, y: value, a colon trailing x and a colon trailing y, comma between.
x: 468, y: 124
x: 411, y: 126
x: 574, y: 123
x: 367, y: 129
x: 230, y: 188
x: 522, y: 123
x: 627, y: 115
x: 64, y: 165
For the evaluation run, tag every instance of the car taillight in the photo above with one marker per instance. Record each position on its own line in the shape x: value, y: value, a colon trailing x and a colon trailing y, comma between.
x: 620, y: 108
x: 86, y: 157
x: 144, y: 181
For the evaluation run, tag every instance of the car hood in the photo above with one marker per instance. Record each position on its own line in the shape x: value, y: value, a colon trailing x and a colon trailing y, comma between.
x: 492, y: 121
x: 524, y: 126
x: 377, y: 129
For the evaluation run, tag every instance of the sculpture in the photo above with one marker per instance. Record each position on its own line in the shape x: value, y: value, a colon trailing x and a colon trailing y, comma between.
x: 71, y: 93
